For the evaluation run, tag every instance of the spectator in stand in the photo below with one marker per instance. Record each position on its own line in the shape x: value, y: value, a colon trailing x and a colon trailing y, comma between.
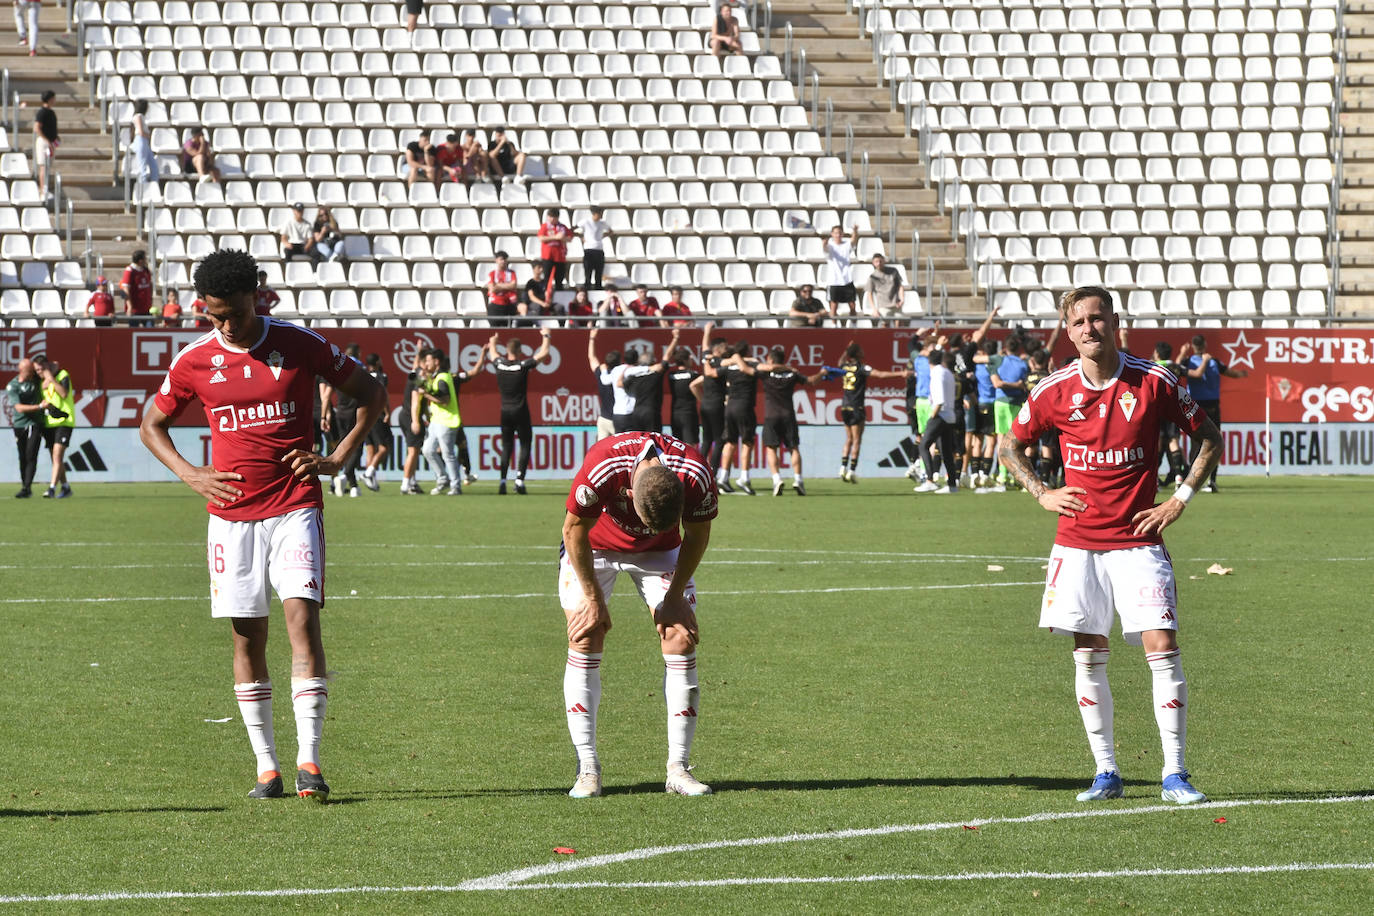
x: 476, y: 162
x: 605, y: 386
x: 171, y: 309
x: 536, y: 299
x: 449, y: 156
x: 594, y: 232
x: 507, y: 162
x: 725, y: 35
x: 675, y: 312
x: 297, y: 238
x: 45, y: 138
x: 198, y: 157
x: 137, y: 287
x: 100, y: 307
x: 201, y: 313
x: 418, y: 163
x: 267, y: 297
x: 141, y: 147
x: 885, y: 293
x: 580, y: 309
x: 28, y: 32
x: 413, y: 10
x: 553, y: 247
x: 840, y: 251
x: 807, y: 311
x: 502, y: 292
x: 612, y: 308
x: 327, y: 235
x: 643, y: 305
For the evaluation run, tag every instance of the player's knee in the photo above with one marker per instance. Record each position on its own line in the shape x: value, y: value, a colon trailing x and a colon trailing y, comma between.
x: 593, y: 642
x: 678, y: 641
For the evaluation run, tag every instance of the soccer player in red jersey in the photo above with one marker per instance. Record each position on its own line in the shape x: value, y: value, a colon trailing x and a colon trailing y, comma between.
x: 1108, y: 407
x: 623, y: 512
x: 255, y: 377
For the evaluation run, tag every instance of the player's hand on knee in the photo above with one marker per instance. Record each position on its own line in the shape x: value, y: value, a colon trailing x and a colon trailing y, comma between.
x: 214, y: 485
x: 1153, y: 521
x: 587, y: 618
x: 1065, y: 501
x: 675, y: 617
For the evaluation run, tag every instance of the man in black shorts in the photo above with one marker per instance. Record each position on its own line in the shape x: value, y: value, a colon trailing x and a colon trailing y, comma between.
x: 780, y: 417
x: 741, y: 390
x: 345, y: 416
x: 59, y: 419
x: 507, y: 162
x: 411, y: 420
x: 378, y: 442
x: 512, y: 380
x: 854, y: 374
x: 682, y: 390
x: 710, y: 392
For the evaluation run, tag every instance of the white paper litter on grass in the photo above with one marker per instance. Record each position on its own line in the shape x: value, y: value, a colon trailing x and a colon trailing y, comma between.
x: 1216, y: 569
x: 218, y: 721
x: 993, y: 567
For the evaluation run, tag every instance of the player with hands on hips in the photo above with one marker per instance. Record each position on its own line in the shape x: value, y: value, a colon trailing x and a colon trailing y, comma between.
x: 1108, y: 554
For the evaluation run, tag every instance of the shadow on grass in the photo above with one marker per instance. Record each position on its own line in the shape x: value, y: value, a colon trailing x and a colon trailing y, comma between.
x: 57, y: 812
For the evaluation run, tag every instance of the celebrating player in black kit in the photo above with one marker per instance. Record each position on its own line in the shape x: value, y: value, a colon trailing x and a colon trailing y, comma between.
x: 741, y: 390
x: 780, y: 417
x: 710, y: 391
x: 682, y: 389
x: 644, y: 384
x: 855, y: 374
x: 512, y: 379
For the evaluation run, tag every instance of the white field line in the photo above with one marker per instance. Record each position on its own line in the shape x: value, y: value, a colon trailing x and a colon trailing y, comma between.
x: 520, y: 879
x: 512, y: 879
x: 785, y: 591
x: 552, y: 561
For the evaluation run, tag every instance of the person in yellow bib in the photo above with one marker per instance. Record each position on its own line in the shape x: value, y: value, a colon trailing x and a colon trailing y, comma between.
x: 59, y: 419
x: 445, y: 420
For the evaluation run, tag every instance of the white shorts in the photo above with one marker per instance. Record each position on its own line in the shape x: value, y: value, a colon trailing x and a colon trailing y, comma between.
x: 651, y: 573
x: 285, y: 552
x: 1082, y: 587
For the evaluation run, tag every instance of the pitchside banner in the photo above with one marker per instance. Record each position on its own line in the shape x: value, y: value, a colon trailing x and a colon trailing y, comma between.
x: 1318, y: 386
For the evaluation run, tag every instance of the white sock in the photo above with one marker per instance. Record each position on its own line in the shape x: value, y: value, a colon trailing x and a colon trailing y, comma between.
x: 721, y: 473
x: 1095, y: 703
x: 683, y: 697
x: 744, y: 475
x: 1171, y: 706
x: 309, y: 695
x: 255, y: 706
x: 777, y: 478
x: 797, y: 478
x: 581, y: 697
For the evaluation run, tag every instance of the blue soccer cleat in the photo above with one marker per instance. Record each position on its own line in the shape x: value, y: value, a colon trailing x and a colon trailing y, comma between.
x: 1105, y: 785
x: 1180, y: 791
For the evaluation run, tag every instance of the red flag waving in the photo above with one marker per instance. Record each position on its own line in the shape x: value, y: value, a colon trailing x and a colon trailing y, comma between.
x: 1278, y: 388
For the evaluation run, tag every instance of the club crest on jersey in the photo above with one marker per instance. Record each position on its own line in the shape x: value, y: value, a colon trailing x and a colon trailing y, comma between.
x: 1128, y: 402
x: 217, y: 360
x: 1077, y: 398
x: 276, y: 362
x: 585, y: 496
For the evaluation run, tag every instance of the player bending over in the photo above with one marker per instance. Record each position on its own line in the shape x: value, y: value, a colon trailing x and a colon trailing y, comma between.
x: 1108, y: 551
x: 255, y: 377
x: 623, y: 513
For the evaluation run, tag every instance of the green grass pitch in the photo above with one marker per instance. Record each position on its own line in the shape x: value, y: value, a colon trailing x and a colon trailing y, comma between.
x: 861, y: 667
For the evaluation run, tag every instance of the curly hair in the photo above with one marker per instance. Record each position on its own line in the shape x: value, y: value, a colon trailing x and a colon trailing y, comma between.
x: 658, y: 497
x: 225, y: 273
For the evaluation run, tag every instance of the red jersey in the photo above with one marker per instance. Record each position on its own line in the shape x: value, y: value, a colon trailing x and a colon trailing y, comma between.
x: 448, y: 155
x: 553, y: 249
x: 101, y: 305
x: 171, y: 314
x: 644, y: 308
x: 601, y: 482
x: 267, y: 299
x: 201, y: 313
x: 1110, y: 442
x: 139, y: 282
x: 507, y: 297
x: 581, y: 309
x: 259, y: 405
x: 677, y: 310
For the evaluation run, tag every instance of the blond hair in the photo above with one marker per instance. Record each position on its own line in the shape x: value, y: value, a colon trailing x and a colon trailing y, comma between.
x: 1075, y: 296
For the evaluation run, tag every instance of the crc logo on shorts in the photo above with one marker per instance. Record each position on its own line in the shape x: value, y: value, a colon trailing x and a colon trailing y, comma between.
x: 1081, y: 458
x: 1161, y: 594
x: 586, y: 497
x: 301, y: 556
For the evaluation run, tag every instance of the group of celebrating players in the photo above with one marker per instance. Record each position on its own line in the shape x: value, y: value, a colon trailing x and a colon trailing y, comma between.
x: 643, y: 504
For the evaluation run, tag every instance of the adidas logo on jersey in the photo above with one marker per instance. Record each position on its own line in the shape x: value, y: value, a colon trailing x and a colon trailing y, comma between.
x: 217, y: 377
x: 1076, y: 415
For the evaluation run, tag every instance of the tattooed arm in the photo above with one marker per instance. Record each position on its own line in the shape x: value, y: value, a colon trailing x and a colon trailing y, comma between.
x: 1064, y: 501
x: 1155, y: 520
